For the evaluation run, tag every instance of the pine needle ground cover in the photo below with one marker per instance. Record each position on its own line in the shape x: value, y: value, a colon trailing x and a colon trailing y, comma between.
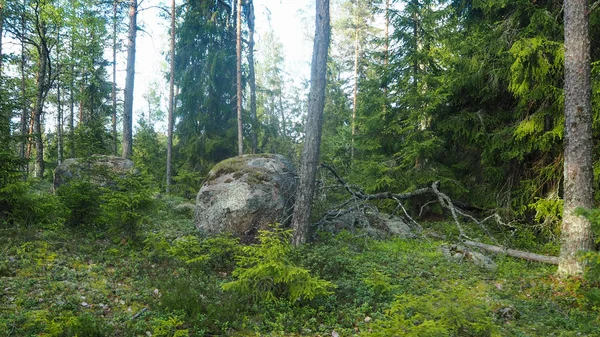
x: 170, y: 281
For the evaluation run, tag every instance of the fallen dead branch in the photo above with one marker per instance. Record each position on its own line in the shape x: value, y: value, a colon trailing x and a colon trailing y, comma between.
x: 512, y: 252
x: 360, y: 197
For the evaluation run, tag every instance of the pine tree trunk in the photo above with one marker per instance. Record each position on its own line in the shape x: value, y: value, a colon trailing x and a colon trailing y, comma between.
x: 59, y: 112
x: 282, y: 112
x: 314, y: 125
x: 239, y: 77
x: 129, y: 81
x: 576, y: 232
x: 39, y: 109
x: 171, y: 101
x: 114, y: 82
x: 1, y: 32
x: 24, y: 111
x: 355, y: 93
x: 252, y: 75
x: 386, y: 54
x: 72, y: 105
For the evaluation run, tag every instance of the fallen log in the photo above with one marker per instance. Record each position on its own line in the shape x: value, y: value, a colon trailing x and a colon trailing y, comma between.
x: 512, y: 252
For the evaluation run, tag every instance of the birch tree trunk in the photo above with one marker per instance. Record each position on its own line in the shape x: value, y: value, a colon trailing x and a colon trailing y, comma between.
x: 171, y: 100
x: 314, y: 125
x: 129, y: 82
x: 238, y: 49
x: 576, y: 232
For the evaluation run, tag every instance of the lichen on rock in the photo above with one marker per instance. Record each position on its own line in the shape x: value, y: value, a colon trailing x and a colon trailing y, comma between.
x: 244, y: 194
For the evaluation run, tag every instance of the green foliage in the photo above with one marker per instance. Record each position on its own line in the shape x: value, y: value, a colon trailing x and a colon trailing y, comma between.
x: 149, y: 149
x: 86, y: 325
x: 452, y: 311
x: 125, y: 208
x: 266, y: 273
x: 82, y: 198
x: 168, y: 327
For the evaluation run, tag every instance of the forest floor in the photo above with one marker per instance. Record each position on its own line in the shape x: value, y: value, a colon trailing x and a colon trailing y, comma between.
x: 167, y: 282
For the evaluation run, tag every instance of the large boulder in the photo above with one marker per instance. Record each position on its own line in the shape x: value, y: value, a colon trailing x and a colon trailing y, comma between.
x: 98, y: 169
x: 244, y: 194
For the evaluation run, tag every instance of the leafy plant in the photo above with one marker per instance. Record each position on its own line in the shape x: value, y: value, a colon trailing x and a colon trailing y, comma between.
x: 266, y: 272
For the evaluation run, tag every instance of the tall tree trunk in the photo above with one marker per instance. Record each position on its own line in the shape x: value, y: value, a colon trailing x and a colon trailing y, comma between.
x: 72, y: 103
x: 252, y: 75
x: 1, y: 32
x: 386, y: 54
x: 24, y: 110
x: 314, y: 125
x: 129, y: 81
x: 282, y: 112
x: 355, y: 91
x: 114, y: 82
x: 238, y: 49
x: 576, y: 232
x: 171, y: 101
x: 59, y: 112
x: 38, y: 109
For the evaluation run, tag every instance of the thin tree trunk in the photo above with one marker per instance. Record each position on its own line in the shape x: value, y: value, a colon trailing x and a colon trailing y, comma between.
x: 576, y: 232
x: 114, y: 84
x: 314, y: 125
x: 59, y: 112
x: 1, y: 32
x: 386, y: 54
x: 171, y: 101
x: 282, y: 112
x: 355, y: 92
x: 42, y: 88
x: 24, y: 110
x: 239, y: 77
x: 72, y: 104
x: 129, y: 81
x: 252, y: 75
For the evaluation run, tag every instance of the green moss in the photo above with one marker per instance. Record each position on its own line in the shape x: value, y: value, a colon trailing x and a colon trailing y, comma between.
x: 239, y: 166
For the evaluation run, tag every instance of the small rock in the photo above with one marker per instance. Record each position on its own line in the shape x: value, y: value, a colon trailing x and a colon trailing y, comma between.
x: 335, y: 334
x: 85, y: 304
x: 367, y: 319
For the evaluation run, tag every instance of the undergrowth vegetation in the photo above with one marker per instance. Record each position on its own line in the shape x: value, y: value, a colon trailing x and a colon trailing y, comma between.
x: 139, y: 268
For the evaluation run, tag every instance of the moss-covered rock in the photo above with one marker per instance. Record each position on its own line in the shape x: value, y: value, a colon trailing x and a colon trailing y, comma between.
x: 98, y: 169
x: 244, y: 194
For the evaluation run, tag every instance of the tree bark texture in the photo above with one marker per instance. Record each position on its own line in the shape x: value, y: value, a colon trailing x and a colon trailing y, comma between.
x: 252, y: 75
x: 355, y: 89
x: 114, y: 82
x: 314, y: 125
x: 41, y: 91
x: 129, y: 82
x: 24, y: 111
x: 1, y: 31
x: 238, y: 49
x: 576, y: 232
x: 513, y: 252
x: 71, y: 121
x: 59, y: 110
x: 171, y: 101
